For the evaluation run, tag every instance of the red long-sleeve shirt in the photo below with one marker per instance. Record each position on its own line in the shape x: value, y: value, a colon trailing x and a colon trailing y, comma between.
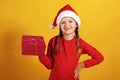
x: 63, y: 64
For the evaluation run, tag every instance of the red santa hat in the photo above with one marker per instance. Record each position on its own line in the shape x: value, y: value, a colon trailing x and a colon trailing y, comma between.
x: 66, y: 11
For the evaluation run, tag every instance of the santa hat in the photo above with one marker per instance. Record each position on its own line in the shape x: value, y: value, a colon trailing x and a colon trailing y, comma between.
x: 66, y: 11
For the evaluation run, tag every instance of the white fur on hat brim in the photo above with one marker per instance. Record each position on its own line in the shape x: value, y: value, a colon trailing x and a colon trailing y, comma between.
x: 68, y: 13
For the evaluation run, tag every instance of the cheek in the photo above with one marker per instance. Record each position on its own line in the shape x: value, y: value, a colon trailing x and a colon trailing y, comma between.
x: 74, y: 25
x: 74, y: 29
x: 61, y: 28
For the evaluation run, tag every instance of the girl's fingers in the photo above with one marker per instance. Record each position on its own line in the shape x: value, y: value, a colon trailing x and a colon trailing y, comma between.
x: 76, y: 76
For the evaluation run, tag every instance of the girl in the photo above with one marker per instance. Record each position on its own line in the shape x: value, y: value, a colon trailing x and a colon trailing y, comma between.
x: 64, y: 50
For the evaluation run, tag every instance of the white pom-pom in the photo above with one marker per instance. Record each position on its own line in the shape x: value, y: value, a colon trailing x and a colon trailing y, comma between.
x: 51, y: 26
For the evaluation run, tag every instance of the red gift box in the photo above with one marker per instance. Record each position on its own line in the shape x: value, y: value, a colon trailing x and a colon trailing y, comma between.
x: 33, y: 45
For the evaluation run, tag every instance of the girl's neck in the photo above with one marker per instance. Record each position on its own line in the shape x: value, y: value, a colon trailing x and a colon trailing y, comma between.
x: 68, y: 37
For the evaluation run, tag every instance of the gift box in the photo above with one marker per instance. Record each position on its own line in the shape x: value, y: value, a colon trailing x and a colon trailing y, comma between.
x: 33, y: 45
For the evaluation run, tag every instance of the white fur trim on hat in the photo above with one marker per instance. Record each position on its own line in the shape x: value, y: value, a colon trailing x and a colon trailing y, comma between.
x: 68, y: 14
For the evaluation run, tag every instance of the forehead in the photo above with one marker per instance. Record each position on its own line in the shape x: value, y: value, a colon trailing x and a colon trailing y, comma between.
x: 67, y: 18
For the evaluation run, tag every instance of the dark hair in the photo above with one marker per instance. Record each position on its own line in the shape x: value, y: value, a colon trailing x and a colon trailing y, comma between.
x: 56, y: 50
x: 77, y: 41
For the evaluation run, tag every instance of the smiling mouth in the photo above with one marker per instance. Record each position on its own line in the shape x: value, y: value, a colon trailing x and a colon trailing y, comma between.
x: 67, y: 28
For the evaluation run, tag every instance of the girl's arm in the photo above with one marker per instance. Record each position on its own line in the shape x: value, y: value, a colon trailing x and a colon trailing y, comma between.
x: 47, y: 60
x: 96, y: 56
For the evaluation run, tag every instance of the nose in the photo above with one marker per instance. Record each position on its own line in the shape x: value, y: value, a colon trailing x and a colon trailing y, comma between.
x: 66, y: 24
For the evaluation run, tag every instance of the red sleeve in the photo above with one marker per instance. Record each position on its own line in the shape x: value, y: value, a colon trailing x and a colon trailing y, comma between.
x: 47, y: 60
x: 96, y: 56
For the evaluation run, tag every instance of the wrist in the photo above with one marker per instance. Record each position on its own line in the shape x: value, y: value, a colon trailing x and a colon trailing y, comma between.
x: 81, y: 64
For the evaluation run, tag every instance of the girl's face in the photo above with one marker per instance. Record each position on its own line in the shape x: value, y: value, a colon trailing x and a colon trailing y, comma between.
x: 68, y: 26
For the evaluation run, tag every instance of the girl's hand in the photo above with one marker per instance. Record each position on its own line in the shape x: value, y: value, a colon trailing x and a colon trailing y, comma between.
x: 78, y: 69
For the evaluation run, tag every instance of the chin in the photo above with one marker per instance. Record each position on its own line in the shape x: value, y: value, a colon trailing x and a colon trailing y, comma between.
x: 68, y: 33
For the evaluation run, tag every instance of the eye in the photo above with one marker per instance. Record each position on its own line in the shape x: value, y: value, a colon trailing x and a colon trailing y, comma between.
x: 70, y: 21
x: 62, y: 22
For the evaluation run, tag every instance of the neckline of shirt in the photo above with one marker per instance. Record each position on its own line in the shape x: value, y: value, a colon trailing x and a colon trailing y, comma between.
x: 69, y: 40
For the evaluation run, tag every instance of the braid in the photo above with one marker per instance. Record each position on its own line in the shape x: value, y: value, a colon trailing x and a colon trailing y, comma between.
x: 77, y: 41
x: 56, y: 50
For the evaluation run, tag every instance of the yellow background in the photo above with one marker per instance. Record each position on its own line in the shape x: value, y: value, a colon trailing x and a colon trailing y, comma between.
x: 100, y: 27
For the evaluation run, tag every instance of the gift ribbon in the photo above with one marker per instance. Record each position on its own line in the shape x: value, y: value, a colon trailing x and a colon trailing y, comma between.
x: 34, y: 42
